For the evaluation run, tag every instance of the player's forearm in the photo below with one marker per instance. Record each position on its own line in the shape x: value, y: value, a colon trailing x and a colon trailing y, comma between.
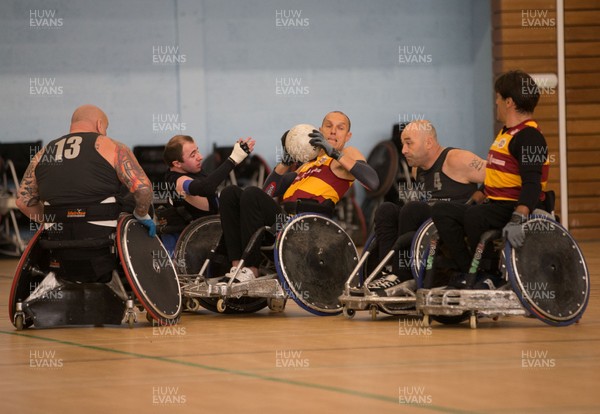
x: 143, y: 200
x: 35, y: 211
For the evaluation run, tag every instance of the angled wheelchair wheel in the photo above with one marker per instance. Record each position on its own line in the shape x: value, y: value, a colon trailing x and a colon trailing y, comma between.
x: 149, y: 271
x: 420, y: 249
x: 313, y: 257
x: 351, y: 219
x: 194, y: 247
x: 549, y: 273
x: 29, y: 273
x: 384, y: 160
x: 431, y: 264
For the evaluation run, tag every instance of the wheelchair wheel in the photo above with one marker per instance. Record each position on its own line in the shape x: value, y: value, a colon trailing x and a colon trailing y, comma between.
x: 351, y: 219
x: 314, y: 257
x: 384, y: 159
x: 149, y: 271
x: 430, y: 268
x: 420, y: 250
x: 369, y: 207
x: 30, y: 272
x: 549, y: 273
x: 194, y: 247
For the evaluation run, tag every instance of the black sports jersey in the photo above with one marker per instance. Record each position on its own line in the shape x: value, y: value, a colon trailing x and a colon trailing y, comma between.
x: 171, y: 178
x: 71, y: 172
x: 434, y: 185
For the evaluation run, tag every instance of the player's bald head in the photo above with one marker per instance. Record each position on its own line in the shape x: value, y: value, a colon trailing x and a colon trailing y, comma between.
x: 88, y: 113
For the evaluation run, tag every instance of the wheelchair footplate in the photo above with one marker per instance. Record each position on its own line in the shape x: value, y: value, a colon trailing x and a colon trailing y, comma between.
x: 353, y: 299
x: 266, y: 287
x: 402, y: 304
x: 451, y: 306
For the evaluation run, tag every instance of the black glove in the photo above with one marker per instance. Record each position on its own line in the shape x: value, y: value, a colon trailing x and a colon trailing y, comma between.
x: 286, y: 159
x: 318, y: 140
x: 513, y: 231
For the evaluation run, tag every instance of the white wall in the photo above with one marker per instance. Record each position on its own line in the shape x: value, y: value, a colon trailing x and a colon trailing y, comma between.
x: 233, y: 53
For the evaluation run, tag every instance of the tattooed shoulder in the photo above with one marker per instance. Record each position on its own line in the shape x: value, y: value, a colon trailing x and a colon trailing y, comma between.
x: 128, y: 169
x: 477, y: 163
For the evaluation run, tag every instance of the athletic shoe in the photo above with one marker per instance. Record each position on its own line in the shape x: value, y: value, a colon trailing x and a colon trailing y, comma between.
x: 398, y: 287
x: 244, y: 275
x: 383, y: 281
x: 488, y: 282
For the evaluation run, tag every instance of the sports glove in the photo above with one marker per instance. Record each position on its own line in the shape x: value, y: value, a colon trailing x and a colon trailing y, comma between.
x: 147, y: 221
x: 318, y: 140
x: 239, y: 153
x: 513, y: 231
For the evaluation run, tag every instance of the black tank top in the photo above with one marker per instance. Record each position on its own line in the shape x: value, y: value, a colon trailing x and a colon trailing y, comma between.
x: 71, y: 172
x: 171, y: 178
x: 439, y: 186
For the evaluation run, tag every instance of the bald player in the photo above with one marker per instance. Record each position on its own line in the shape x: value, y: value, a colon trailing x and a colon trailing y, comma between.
x: 441, y: 173
x: 71, y: 186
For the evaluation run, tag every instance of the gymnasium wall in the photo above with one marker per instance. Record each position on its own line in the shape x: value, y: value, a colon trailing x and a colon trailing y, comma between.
x: 223, y: 69
x: 524, y: 36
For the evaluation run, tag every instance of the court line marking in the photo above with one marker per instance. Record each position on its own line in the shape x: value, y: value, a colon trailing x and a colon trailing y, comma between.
x: 248, y: 374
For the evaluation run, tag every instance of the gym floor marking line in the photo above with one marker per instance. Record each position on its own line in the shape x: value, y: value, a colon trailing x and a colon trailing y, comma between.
x: 243, y: 373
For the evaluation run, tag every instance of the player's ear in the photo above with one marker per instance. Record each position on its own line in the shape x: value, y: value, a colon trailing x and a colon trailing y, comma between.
x: 101, y: 127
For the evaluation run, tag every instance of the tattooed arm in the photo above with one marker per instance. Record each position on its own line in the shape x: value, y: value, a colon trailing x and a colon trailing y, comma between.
x: 132, y: 175
x: 28, y: 196
x: 464, y: 167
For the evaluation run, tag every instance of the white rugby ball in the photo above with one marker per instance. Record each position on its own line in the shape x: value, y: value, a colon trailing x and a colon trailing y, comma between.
x: 297, y: 143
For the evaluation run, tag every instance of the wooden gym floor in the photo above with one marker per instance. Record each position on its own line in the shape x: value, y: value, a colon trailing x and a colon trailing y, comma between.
x: 294, y: 362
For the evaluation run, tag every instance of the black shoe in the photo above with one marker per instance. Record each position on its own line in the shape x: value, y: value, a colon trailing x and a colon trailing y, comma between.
x: 458, y: 281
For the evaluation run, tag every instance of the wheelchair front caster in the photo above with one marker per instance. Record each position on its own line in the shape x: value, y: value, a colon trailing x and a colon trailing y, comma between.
x: 19, y: 318
x: 426, y: 320
x: 130, y: 315
x: 221, y: 306
x: 473, y: 321
x: 130, y: 319
x: 348, y: 313
x: 19, y: 321
x: 374, y: 312
x: 276, y: 305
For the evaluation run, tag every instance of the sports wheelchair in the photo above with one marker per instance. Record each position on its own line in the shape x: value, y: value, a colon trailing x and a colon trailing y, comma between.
x: 305, y: 259
x: 547, y: 278
x: 143, y: 277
